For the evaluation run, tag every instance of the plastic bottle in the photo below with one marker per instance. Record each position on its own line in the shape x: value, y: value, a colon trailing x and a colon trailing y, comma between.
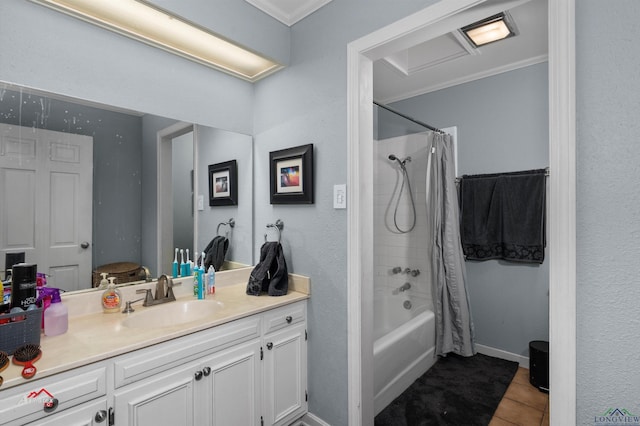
x: 103, y: 282
x: 56, y: 316
x: 4, y: 306
x: 111, y: 298
x: 23, y: 288
x: 197, y: 284
x: 211, y: 280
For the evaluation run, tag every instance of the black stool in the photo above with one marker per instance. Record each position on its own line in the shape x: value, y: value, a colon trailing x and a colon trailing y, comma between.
x: 539, y: 364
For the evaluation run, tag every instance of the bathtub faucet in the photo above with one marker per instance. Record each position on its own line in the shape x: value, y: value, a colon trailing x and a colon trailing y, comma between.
x: 396, y: 270
x: 405, y: 287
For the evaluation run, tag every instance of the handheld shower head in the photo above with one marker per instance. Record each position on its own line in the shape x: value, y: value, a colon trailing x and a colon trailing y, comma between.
x: 393, y: 157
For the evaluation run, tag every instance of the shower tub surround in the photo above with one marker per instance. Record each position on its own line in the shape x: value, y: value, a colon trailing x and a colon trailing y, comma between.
x: 404, y: 353
x: 404, y: 322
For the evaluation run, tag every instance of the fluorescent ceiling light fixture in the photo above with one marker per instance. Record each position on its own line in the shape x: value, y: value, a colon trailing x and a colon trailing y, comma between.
x: 493, y: 28
x: 149, y: 24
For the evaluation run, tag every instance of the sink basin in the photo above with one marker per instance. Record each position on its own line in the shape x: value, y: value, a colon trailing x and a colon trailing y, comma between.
x: 172, y: 313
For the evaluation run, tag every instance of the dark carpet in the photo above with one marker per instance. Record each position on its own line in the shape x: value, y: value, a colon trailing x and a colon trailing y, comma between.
x: 455, y: 391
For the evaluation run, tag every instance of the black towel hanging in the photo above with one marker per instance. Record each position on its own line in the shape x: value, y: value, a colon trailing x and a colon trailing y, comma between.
x: 503, y: 216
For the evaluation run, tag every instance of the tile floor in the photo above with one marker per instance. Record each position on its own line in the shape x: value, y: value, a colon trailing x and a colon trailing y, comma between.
x: 522, y: 404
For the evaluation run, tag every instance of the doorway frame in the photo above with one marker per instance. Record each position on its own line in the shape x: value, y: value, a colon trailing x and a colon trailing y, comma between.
x: 164, y: 232
x: 562, y: 201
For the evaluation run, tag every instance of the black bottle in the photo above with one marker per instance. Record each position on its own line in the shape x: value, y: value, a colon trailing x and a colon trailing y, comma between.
x: 23, y: 287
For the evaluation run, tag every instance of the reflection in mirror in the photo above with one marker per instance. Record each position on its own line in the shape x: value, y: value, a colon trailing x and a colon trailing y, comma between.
x: 182, y: 189
x: 72, y: 175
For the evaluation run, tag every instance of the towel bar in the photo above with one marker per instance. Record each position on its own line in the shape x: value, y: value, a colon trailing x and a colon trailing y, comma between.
x: 277, y: 226
x: 230, y: 222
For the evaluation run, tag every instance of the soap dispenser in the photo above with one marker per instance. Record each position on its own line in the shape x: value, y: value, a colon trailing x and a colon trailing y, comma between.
x: 111, y: 298
x: 103, y: 282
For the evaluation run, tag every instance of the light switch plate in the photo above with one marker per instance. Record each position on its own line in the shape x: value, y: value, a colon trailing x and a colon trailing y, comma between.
x: 340, y: 196
x: 200, y: 202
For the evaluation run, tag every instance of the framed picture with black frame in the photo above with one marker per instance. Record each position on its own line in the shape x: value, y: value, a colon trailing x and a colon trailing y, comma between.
x: 223, y: 184
x: 291, y: 175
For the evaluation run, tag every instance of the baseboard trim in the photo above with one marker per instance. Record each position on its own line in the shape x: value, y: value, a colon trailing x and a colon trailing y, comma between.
x: 310, y: 419
x: 499, y: 353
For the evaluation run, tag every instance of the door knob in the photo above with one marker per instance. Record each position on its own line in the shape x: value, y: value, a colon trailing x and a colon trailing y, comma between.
x: 85, y: 245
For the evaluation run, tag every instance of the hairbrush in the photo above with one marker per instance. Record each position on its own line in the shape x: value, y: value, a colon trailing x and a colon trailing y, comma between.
x: 4, y: 363
x: 26, y: 355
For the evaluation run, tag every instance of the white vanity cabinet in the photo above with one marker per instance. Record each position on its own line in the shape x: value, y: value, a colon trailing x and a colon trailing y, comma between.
x: 177, y: 382
x: 76, y: 396
x: 285, y: 364
x: 250, y: 371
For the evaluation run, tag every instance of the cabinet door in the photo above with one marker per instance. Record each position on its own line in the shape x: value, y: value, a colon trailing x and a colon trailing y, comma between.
x: 88, y: 414
x: 234, y: 383
x: 165, y: 399
x: 285, y: 375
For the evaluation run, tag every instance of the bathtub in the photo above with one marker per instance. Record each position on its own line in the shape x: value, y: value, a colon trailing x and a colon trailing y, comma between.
x: 404, y: 347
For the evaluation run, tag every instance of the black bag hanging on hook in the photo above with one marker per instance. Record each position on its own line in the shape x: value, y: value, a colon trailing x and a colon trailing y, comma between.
x: 270, y: 275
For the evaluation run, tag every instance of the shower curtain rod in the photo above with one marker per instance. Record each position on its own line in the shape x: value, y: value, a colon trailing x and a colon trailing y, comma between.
x: 408, y: 118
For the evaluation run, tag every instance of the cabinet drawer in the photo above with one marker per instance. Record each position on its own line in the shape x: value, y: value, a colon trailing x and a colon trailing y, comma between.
x: 282, y: 317
x: 147, y: 362
x: 25, y: 403
x: 84, y: 414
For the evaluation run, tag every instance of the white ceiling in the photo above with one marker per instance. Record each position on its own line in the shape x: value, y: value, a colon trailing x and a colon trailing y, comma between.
x: 288, y: 11
x: 448, y: 59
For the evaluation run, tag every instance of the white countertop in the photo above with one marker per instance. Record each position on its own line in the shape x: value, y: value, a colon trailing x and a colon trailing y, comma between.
x: 94, y: 336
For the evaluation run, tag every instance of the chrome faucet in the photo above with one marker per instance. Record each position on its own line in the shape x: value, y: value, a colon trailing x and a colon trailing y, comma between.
x: 146, y: 273
x: 164, y: 292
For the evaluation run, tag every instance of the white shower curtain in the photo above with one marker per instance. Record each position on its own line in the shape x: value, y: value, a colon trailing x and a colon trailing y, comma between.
x: 454, y: 325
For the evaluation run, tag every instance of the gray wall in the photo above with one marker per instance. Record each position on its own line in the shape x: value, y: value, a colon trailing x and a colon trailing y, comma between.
x: 217, y: 146
x: 608, y: 197
x: 502, y: 126
x: 307, y: 103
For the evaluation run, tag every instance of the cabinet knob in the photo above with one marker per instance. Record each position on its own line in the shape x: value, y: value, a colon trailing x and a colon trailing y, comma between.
x: 198, y: 375
x: 101, y: 416
x: 206, y: 371
x: 289, y: 319
x: 269, y: 345
x: 50, y: 405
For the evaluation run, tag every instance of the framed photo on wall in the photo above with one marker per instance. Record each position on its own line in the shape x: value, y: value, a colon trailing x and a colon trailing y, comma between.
x: 223, y: 184
x: 291, y: 175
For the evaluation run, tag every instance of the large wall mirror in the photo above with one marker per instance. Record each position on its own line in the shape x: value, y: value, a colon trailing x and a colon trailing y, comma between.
x: 85, y: 185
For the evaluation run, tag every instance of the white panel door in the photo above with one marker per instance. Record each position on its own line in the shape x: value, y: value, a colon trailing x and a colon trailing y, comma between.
x: 285, y: 375
x: 46, y: 184
x: 233, y: 380
x: 168, y: 398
